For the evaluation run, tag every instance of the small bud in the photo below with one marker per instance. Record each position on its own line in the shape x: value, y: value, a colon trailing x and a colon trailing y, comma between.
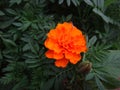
x: 84, y: 67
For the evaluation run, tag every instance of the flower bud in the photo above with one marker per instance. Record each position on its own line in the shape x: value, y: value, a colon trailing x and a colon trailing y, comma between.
x: 84, y: 67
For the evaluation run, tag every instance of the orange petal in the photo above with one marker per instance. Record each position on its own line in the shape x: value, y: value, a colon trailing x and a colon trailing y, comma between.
x: 61, y: 63
x: 49, y: 43
x: 73, y: 57
x: 81, y: 49
x: 52, y: 54
x: 58, y: 55
x: 52, y: 45
x: 49, y: 54
x: 75, y: 32
x: 79, y: 40
x: 52, y: 34
x: 64, y: 28
x: 68, y: 27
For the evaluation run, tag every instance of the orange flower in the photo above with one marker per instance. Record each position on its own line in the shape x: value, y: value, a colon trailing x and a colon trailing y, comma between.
x: 65, y: 43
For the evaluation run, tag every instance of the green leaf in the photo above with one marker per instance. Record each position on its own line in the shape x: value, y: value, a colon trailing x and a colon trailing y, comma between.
x: 92, y: 41
x: 104, y: 17
x: 15, y: 1
x: 108, y: 70
x: 18, y: 24
x: 89, y: 76
x: 34, y: 26
x: 75, y: 2
x: 34, y: 47
x: 68, y: 2
x: 60, y: 1
x: 99, y: 84
x: 89, y: 2
x: 9, y: 68
x: 53, y: 1
x: 112, y: 83
x: 109, y: 2
x: 48, y: 85
x: 113, y: 63
x: 57, y: 84
x: 33, y: 66
x: 109, y: 81
x: 26, y: 47
x: 1, y: 55
x: 31, y: 61
x: 6, y: 23
x: 68, y: 18
x: 25, y: 25
x: 31, y: 55
x: 8, y: 42
x: 2, y: 13
x: 6, y: 79
x: 99, y: 4
x: 100, y: 13
x: 11, y: 11
x: 98, y: 8
x: 21, y: 84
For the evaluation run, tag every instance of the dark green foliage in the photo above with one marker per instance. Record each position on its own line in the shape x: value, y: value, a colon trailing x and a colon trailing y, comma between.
x: 24, y: 25
x: 114, y: 11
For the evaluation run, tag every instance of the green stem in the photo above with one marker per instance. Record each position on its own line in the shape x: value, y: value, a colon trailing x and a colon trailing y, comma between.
x: 64, y: 71
x: 83, y: 59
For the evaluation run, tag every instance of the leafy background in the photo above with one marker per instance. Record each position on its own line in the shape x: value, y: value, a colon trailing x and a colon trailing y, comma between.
x: 23, y: 28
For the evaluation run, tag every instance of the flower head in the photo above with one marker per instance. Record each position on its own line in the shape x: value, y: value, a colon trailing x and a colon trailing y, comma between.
x: 65, y: 43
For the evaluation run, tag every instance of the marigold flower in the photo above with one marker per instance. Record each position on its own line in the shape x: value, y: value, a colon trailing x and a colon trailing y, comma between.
x: 65, y: 43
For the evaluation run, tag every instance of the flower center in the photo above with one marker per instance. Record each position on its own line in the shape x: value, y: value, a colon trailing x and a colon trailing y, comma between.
x: 65, y: 43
